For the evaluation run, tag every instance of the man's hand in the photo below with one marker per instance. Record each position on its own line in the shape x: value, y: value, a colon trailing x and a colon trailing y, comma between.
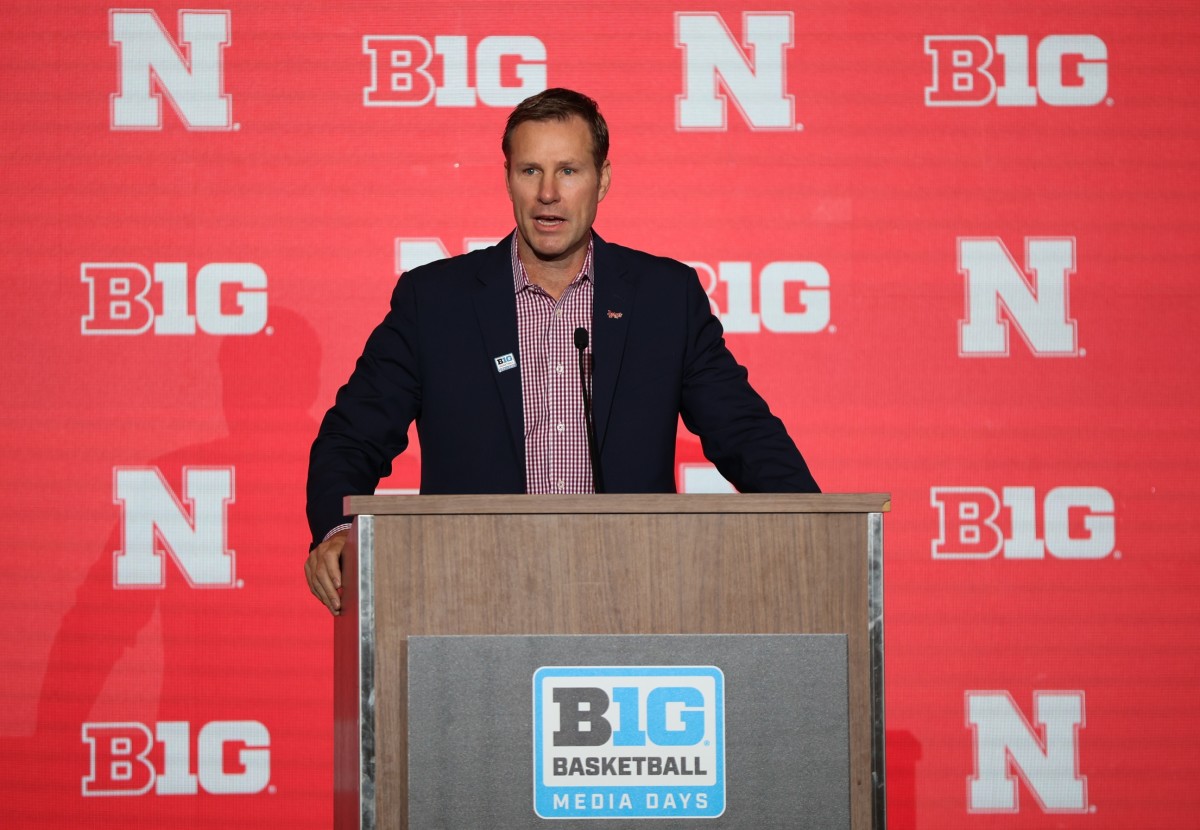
x: 323, y: 569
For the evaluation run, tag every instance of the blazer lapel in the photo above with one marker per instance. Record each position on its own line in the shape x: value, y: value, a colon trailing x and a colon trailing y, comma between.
x: 496, y: 309
x: 612, y: 307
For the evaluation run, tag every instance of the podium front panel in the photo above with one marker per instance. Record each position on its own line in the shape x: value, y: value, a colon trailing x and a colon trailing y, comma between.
x: 600, y: 565
x: 743, y: 730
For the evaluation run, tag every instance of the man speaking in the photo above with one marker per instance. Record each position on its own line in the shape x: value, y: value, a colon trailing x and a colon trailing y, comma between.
x: 553, y: 362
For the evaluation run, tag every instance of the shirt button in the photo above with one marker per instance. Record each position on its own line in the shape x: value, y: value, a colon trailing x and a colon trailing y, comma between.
x: 561, y: 485
x: 558, y: 368
x: 561, y: 427
x: 558, y: 312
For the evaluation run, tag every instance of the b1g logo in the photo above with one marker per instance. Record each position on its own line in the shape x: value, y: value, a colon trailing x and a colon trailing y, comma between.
x: 1074, y: 523
x: 194, y: 536
x: 1046, y: 756
x: 124, y: 298
x: 507, y: 70
x: 629, y: 742
x: 755, y: 78
x: 231, y: 758
x: 192, y: 77
x: 999, y: 292
x: 1072, y: 71
x: 793, y: 297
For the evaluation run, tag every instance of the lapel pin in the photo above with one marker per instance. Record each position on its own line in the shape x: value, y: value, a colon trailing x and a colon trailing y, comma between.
x: 615, y: 315
x: 505, y: 362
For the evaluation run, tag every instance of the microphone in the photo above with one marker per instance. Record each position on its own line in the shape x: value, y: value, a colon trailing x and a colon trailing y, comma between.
x: 581, y: 343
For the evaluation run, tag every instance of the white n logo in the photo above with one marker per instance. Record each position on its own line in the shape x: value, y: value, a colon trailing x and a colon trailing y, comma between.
x: 193, y: 84
x: 757, y: 84
x: 1005, y: 742
x: 151, y: 513
x: 1038, y: 304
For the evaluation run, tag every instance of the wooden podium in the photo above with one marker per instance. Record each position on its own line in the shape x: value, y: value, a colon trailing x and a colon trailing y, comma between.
x: 608, y: 564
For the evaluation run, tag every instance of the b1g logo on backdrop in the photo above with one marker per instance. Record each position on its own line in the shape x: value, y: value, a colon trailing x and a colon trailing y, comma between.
x: 192, y: 530
x: 231, y: 758
x: 1045, y: 755
x: 755, y: 78
x: 629, y: 742
x: 190, y: 72
x: 1035, y: 301
x: 124, y: 298
x: 792, y: 297
x: 1070, y: 71
x: 407, y: 71
x: 1069, y: 523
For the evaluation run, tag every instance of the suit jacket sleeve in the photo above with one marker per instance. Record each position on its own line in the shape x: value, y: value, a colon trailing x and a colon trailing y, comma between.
x: 738, y: 433
x: 368, y: 424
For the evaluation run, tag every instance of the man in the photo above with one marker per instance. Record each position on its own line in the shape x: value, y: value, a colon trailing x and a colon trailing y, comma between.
x: 480, y: 350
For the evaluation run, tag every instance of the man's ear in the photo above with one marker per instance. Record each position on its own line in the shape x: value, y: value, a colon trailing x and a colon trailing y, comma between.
x: 605, y: 178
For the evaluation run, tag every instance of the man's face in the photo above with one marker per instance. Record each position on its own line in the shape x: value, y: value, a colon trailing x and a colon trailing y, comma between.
x: 554, y: 187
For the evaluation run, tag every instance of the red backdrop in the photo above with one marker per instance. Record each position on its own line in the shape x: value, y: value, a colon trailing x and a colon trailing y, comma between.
x: 954, y: 243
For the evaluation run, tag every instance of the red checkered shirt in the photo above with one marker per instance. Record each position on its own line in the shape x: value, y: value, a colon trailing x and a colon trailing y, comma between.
x: 556, y: 446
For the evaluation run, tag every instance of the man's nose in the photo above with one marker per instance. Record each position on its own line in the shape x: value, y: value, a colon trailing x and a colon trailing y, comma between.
x: 548, y: 190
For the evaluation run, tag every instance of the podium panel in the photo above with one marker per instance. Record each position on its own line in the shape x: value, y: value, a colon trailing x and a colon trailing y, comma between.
x: 595, y: 565
x: 744, y: 730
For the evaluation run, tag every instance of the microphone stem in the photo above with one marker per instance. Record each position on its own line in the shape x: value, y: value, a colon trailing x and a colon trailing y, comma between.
x: 597, y: 484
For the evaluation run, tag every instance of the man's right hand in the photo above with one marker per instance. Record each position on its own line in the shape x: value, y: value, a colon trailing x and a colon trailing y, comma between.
x: 323, y: 568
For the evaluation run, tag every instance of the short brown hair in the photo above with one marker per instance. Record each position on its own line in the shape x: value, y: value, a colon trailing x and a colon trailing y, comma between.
x: 558, y: 104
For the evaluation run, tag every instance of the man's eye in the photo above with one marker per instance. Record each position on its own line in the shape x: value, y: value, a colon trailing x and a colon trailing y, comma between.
x: 529, y: 171
x: 569, y: 170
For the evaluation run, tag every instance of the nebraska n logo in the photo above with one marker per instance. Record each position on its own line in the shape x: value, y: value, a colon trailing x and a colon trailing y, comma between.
x: 151, y: 513
x: 1045, y: 756
x: 1037, y: 305
x: 191, y: 77
x: 755, y: 78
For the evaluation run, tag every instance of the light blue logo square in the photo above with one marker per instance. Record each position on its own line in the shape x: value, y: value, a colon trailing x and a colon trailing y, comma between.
x: 628, y: 742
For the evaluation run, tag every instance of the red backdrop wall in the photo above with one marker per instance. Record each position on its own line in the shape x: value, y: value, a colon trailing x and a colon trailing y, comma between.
x: 955, y: 244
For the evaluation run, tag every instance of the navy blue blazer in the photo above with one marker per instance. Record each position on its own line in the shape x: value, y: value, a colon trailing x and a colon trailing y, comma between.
x: 660, y: 355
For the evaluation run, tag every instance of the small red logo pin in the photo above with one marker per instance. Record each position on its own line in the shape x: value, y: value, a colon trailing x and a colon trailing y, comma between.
x: 614, y: 315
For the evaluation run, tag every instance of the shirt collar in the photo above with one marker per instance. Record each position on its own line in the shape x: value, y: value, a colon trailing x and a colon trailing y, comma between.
x: 521, y: 278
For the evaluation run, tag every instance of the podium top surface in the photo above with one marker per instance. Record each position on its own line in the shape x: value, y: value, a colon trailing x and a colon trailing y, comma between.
x: 621, y: 503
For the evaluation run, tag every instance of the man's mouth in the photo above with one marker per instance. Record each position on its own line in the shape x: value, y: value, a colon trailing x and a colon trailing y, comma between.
x: 549, y: 221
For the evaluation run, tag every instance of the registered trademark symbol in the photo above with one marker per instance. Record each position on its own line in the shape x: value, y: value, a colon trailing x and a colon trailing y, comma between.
x: 241, y: 583
x: 237, y: 127
x: 1109, y: 102
x: 1116, y: 554
x: 269, y: 330
x: 832, y: 329
x: 706, y: 743
x: 799, y: 126
x: 271, y: 789
x: 1092, y: 809
x: 1083, y: 352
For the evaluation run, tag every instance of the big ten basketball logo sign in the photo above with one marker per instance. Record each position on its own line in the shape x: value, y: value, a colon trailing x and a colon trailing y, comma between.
x: 1069, y: 71
x: 127, y: 298
x: 227, y: 758
x: 408, y: 71
x: 188, y: 72
x: 629, y: 742
x: 1069, y: 523
x: 716, y: 69
x: 1035, y: 300
x: 191, y: 528
x: 1044, y: 753
x: 415, y: 251
x: 783, y: 297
